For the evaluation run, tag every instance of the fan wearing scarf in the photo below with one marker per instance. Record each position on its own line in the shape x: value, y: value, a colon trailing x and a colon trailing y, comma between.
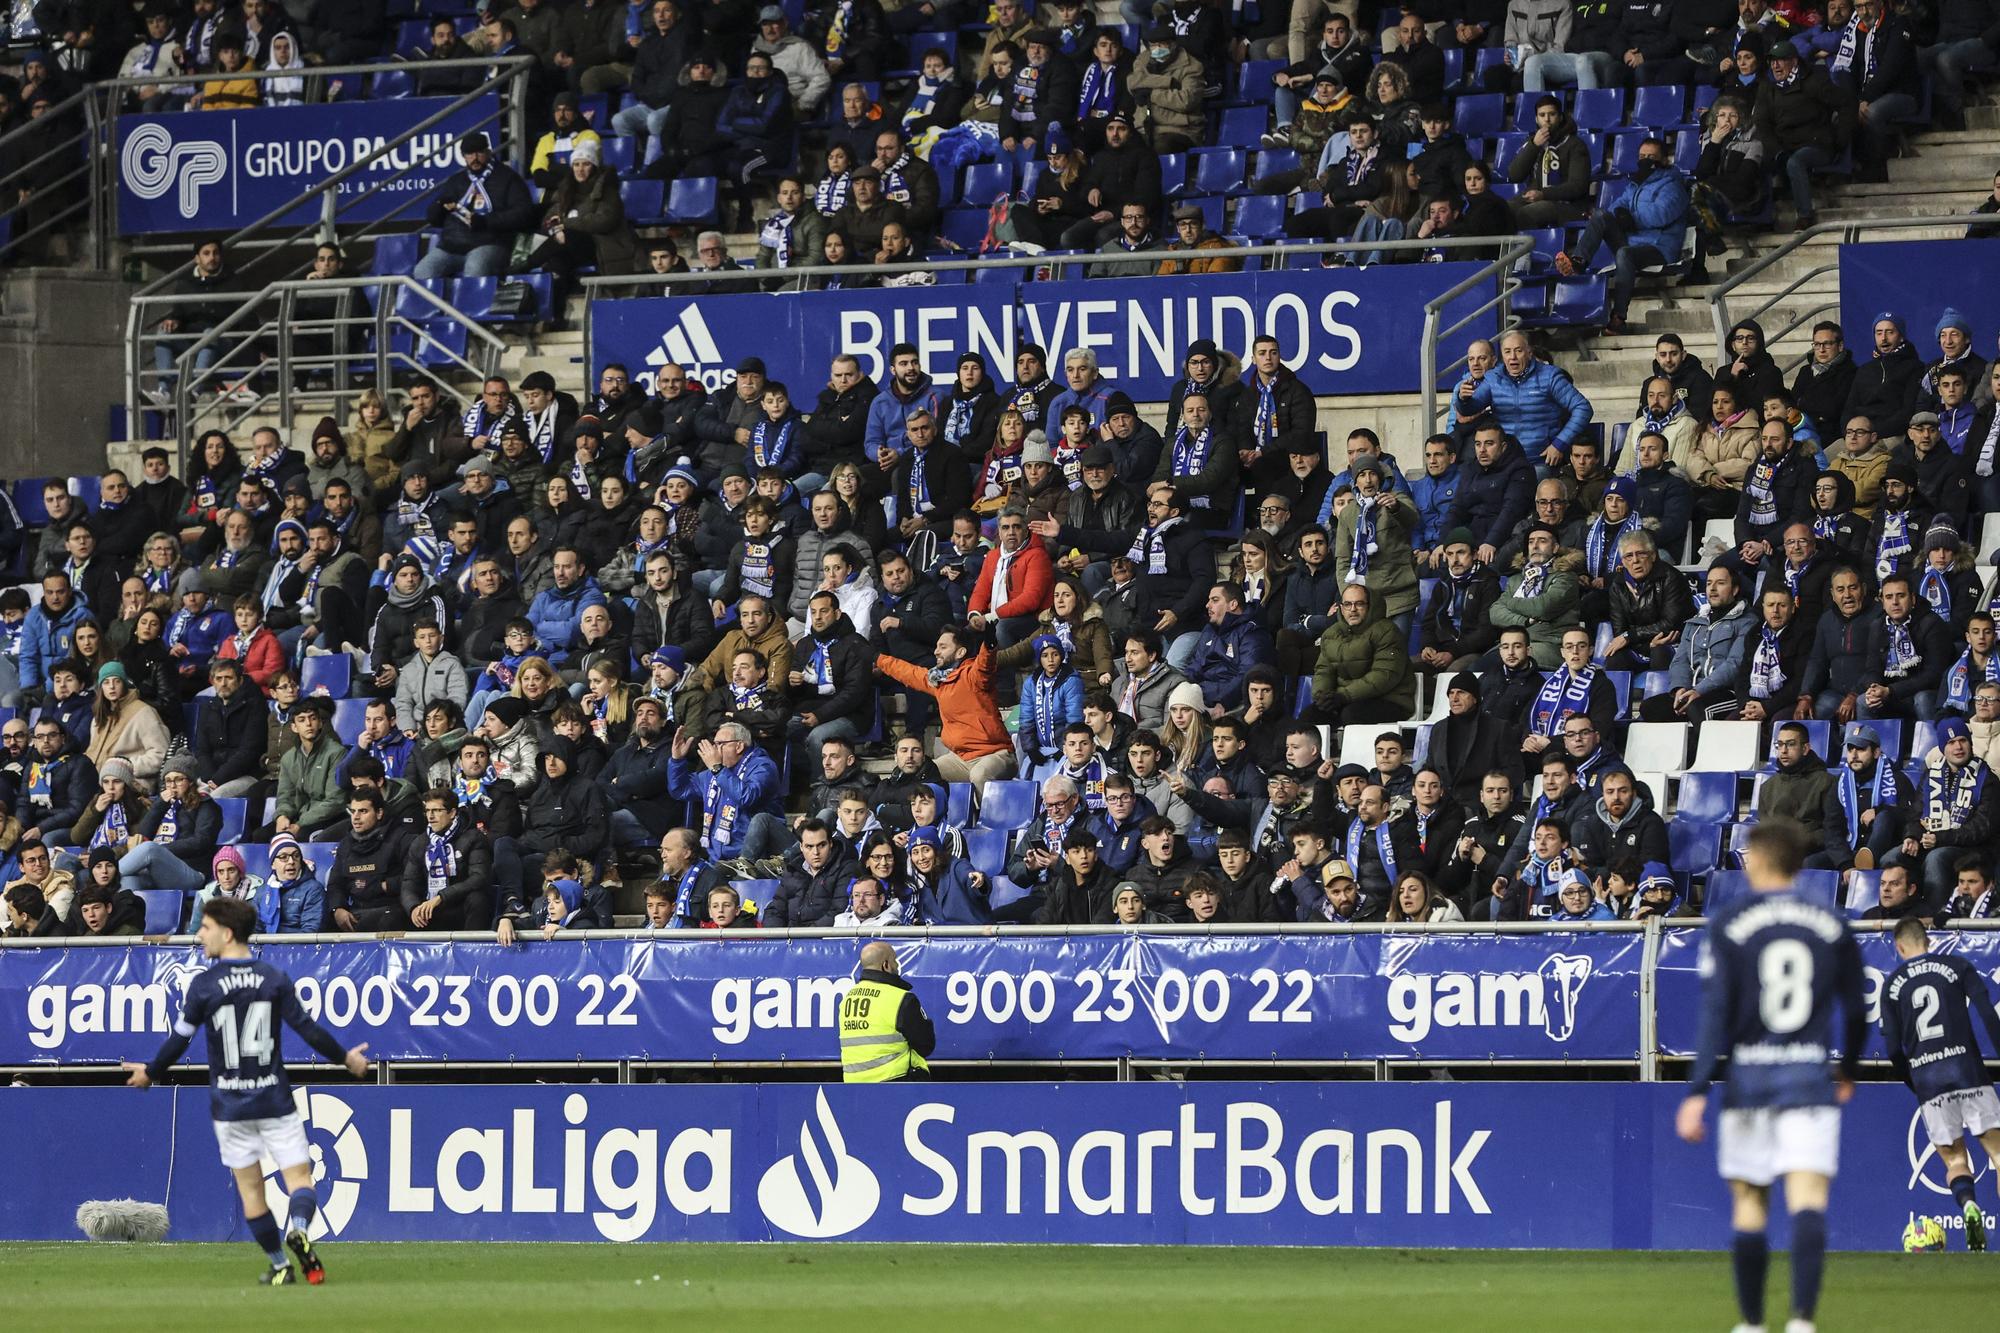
x: 1776, y: 490
x: 1878, y: 804
x: 1903, y: 514
x: 1602, y: 559
x: 1051, y: 699
x: 1575, y: 687
x: 1947, y: 582
x: 480, y: 209
x: 1978, y: 665
x: 1544, y: 598
x: 1959, y: 809
x: 1773, y: 671
x: 1371, y: 541
x: 1665, y: 414
x: 1532, y: 892
x: 1904, y: 655
x: 452, y: 887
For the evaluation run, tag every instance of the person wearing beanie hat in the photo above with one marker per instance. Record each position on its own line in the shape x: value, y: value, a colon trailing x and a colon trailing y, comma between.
x: 1467, y: 743
x: 1958, y: 809
x: 1371, y: 540
x: 1954, y: 343
x: 172, y: 844
x: 1886, y: 385
x: 1544, y: 598
x: 1456, y: 628
x: 1903, y: 512
x: 301, y: 896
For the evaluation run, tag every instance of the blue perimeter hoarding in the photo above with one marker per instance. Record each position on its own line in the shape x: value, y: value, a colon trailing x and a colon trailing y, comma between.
x: 1482, y: 1165
x: 1346, y: 331
x: 216, y: 171
x: 1919, y: 281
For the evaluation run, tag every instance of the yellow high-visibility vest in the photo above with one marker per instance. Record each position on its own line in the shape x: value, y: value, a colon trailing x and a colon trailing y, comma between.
x: 871, y: 1050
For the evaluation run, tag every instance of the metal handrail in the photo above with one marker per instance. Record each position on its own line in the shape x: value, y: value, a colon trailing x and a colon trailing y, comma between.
x: 84, y: 139
x: 795, y: 278
x: 1501, y: 272
x: 1850, y: 232
x: 242, y: 335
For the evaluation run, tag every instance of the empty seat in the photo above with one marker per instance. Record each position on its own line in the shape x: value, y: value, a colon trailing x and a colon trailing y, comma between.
x: 235, y: 812
x: 620, y: 154
x: 1599, y: 108
x: 1660, y: 106
x: 1660, y: 745
x: 330, y: 676
x: 986, y: 182
x: 964, y: 228
x: 1220, y: 171
x: 1242, y: 126
x: 958, y: 804
x: 986, y: 849
x: 1694, y: 846
x: 1724, y: 887
x: 163, y: 910
x: 1727, y: 747
x: 756, y: 893
x: 1008, y: 805
x: 1261, y: 216
x: 1864, y: 890
x: 644, y: 201
x: 1478, y: 114
x: 1173, y: 174
x: 1580, y: 301
x: 391, y: 82
x: 394, y: 256
x: 691, y: 200
x: 1253, y: 80
x: 1709, y: 797
x: 348, y: 716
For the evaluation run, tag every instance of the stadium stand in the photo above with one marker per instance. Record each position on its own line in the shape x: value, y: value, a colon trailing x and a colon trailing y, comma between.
x: 598, y: 604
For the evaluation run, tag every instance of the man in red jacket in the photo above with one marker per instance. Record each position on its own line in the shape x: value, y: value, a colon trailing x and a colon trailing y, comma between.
x: 1015, y: 584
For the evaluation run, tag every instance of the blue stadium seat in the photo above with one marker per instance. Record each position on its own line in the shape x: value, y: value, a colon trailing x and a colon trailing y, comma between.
x: 1454, y: 67
x: 1660, y: 106
x: 1704, y: 98
x: 1599, y: 108
x: 1253, y: 80
x: 1008, y: 805
x: 319, y: 857
x: 394, y: 255
x: 1524, y: 109
x: 1220, y: 171
x: 986, y: 182
x: 163, y: 910
x: 1822, y: 886
x: 1622, y: 155
x: 958, y: 804
x: 1693, y: 845
x: 413, y: 307
x: 1485, y: 60
x: 444, y: 345
x: 1261, y: 216
x: 1173, y: 174
x: 1923, y: 739
x: 1273, y: 160
x: 1890, y: 729
x: 348, y: 716
x: 1210, y: 206
x: 1546, y: 242
x: 28, y: 499
x: 1710, y: 797
x: 986, y: 849
x: 964, y: 228
x: 256, y: 858
x: 331, y: 675
x: 621, y: 154
x: 474, y: 296
x: 1479, y: 115
x: 1580, y: 302
x: 1242, y: 126
x: 1031, y: 175
x: 1818, y: 731
x: 235, y: 816
x: 1724, y: 887
x: 691, y: 201
x: 756, y: 891
x: 595, y: 108
x: 644, y: 200
x: 1864, y: 890
x: 391, y: 83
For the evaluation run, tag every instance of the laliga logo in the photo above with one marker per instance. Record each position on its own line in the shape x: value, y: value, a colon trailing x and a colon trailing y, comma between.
x: 329, y: 1120
x: 153, y: 164
x: 819, y: 1205
x: 1564, y: 974
x: 1922, y: 1154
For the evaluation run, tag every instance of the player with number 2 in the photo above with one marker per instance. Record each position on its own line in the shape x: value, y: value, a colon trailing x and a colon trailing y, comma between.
x: 244, y: 1005
x: 1774, y: 965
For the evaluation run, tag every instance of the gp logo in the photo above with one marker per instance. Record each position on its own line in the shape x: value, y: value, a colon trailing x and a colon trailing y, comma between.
x: 154, y: 165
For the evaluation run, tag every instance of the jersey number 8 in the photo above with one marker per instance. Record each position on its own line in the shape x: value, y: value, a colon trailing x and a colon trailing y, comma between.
x: 1785, y: 985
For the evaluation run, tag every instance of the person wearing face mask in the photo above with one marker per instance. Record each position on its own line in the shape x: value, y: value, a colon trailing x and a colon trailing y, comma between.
x: 1167, y: 86
x: 1646, y: 229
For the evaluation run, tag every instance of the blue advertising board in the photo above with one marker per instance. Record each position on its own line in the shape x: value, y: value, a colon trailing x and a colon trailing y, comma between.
x: 216, y: 171
x: 1919, y: 281
x: 703, y: 997
x: 1477, y: 1165
x: 1677, y: 985
x: 1343, y: 330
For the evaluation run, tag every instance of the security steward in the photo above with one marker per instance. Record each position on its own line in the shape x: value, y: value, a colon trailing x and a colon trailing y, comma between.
x: 884, y: 1032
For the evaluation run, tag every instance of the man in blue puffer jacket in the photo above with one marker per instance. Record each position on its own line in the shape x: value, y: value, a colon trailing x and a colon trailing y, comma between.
x: 1646, y: 229
x: 1433, y: 491
x: 738, y: 789
x: 557, y: 608
x: 1231, y: 643
x: 50, y: 630
x: 1536, y: 403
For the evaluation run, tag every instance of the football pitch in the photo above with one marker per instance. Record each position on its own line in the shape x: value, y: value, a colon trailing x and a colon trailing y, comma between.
x: 829, y: 1287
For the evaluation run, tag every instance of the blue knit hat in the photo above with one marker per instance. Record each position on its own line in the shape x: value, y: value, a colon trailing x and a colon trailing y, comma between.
x: 1624, y: 488
x: 1890, y: 317
x: 1952, y: 319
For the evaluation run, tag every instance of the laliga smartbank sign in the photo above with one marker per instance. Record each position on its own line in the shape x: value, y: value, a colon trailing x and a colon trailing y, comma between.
x: 1221, y: 1163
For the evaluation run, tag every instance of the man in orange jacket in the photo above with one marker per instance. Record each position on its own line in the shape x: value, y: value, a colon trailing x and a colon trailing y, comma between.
x: 973, y: 744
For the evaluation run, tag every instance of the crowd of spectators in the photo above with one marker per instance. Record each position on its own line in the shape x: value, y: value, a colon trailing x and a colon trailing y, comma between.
x: 765, y: 652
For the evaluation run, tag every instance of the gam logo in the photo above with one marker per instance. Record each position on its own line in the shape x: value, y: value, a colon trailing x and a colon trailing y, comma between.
x: 153, y: 165
x: 339, y: 1163
x: 821, y: 1192
x: 1545, y: 998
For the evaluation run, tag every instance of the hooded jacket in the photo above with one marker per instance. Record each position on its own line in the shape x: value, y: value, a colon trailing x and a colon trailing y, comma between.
x: 1369, y: 661
x: 967, y: 705
x: 1711, y: 649
x: 556, y: 613
x: 569, y: 812
x: 1598, y: 839
x: 1808, y: 793
x: 893, y: 403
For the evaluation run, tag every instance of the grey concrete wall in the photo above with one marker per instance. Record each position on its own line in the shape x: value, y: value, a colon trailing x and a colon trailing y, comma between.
x: 61, y: 369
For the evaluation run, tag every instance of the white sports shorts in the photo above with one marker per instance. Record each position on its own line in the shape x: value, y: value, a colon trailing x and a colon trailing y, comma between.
x: 1757, y: 1145
x: 1950, y: 1116
x: 248, y: 1142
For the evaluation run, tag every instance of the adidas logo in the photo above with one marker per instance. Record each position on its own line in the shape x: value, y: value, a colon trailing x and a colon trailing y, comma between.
x: 688, y: 344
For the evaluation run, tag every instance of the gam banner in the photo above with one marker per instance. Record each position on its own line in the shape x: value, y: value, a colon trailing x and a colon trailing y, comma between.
x: 1543, y: 998
x: 1478, y: 1165
x: 1917, y: 280
x: 1677, y: 986
x: 215, y: 171
x: 1343, y: 330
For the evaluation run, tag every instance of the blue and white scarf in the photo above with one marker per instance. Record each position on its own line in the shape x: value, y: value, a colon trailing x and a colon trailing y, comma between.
x: 440, y: 858
x: 830, y: 195
x: 1191, y: 450
x: 1385, y: 848
x: 1532, y: 580
x: 1895, y: 544
x: 1882, y: 786
x: 1903, y: 657
x: 1959, y: 683
x: 1264, y: 424
x: 1099, y: 96
x: 1049, y: 727
x: 1951, y: 794
x: 1366, y: 540
x: 1934, y: 586
x: 776, y: 236
x: 1150, y: 546
x: 1459, y: 588
x: 773, y: 450
x: 1761, y: 489
x: 757, y: 572
x: 1600, y: 544
x: 1767, y: 672
x: 1564, y: 693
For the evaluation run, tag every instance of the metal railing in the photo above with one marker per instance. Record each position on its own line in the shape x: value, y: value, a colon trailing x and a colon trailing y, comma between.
x: 53, y: 204
x: 253, y: 359
x: 1850, y: 232
x: 93, y: 146
x: 1499, y: 271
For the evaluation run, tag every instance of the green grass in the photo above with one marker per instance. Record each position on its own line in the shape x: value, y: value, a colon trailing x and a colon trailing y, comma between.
x: 947, y: 1289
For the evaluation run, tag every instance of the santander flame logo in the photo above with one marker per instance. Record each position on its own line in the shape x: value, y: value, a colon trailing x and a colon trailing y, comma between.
x: 832, y: 1195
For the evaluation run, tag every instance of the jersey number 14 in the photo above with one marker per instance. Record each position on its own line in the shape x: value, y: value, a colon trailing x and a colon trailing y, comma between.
x: 254, y: 1038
